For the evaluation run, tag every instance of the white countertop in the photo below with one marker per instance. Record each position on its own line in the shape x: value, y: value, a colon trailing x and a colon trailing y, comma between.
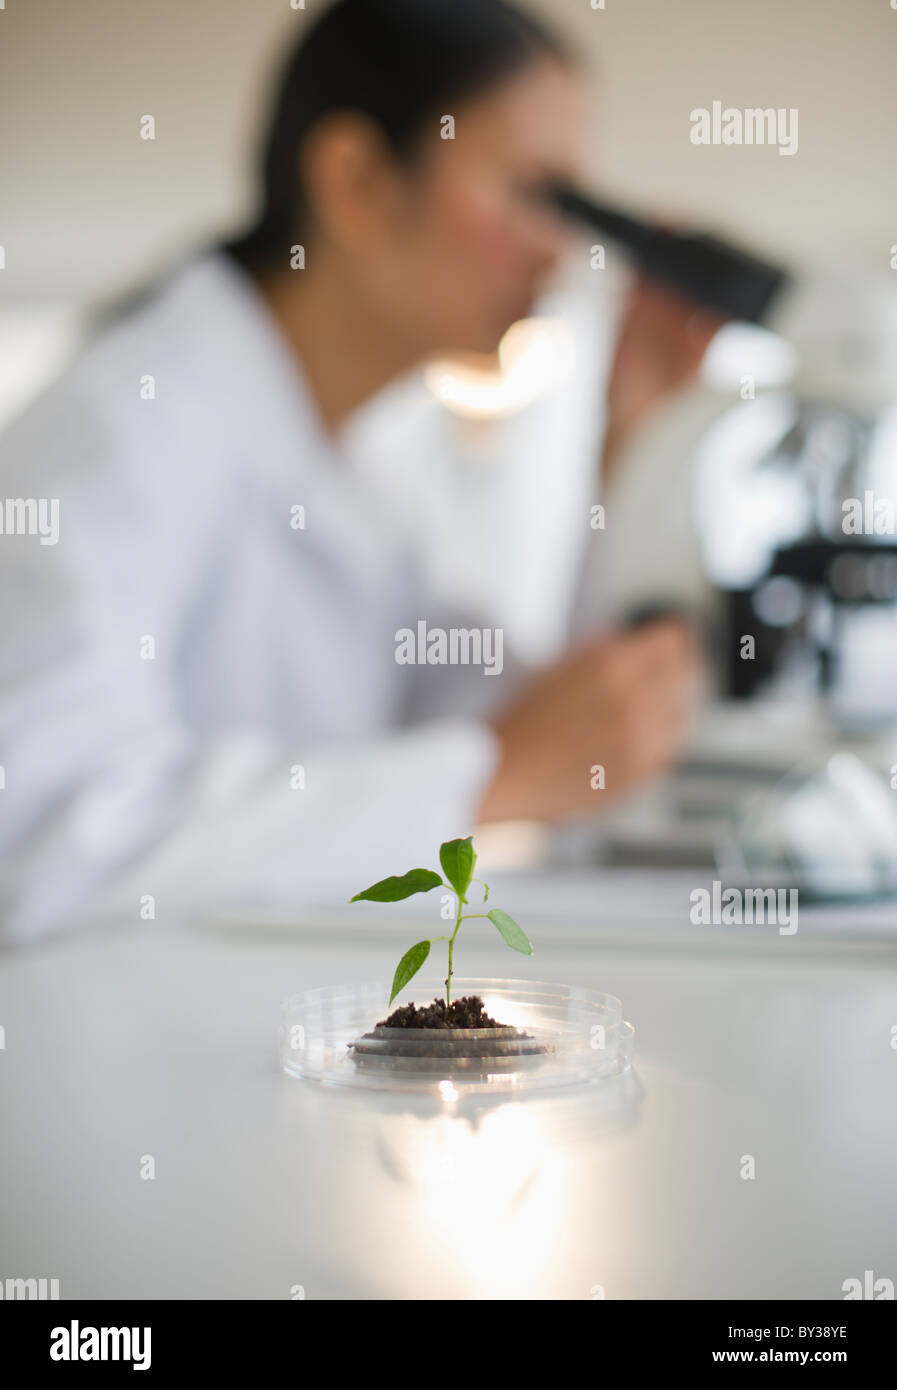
x: 162, y: 1040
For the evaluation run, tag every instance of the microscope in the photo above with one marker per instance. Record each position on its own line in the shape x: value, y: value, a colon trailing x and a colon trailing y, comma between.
x: 821, y: 604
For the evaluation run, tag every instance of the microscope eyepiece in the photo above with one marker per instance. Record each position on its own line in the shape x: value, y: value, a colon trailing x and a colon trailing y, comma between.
x: 702, y: 267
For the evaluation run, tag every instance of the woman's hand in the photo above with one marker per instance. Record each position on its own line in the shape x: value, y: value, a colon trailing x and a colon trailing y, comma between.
x: 622, y: 703
x: 662, y: 341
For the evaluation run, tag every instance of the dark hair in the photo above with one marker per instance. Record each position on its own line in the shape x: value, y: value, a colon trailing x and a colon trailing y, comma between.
x: 396, y: 61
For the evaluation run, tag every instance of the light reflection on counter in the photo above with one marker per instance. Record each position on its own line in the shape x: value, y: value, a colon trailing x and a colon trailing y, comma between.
x: 488, y: 1200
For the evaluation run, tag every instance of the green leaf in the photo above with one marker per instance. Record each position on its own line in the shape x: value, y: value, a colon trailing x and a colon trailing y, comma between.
x: 408, y: 967
x: 515, y: 936
x: 457, y: 858
x: 393, y: 889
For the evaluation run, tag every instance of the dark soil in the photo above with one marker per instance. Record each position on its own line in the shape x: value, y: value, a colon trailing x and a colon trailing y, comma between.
x: 468, y: 1012
x: 445, y: 1047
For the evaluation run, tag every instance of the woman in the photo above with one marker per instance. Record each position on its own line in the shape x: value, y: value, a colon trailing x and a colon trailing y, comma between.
x: 200, y: 697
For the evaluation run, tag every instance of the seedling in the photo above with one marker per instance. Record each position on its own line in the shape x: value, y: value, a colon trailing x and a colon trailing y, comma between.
x: 458, y: 860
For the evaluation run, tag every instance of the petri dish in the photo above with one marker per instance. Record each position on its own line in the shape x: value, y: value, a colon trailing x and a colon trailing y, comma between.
x: 551, y: 1036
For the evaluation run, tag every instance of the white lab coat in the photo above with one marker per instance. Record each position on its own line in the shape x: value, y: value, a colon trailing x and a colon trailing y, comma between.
x: 173, y: 782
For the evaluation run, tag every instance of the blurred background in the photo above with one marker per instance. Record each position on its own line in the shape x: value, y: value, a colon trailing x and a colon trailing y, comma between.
x: 728, y: 504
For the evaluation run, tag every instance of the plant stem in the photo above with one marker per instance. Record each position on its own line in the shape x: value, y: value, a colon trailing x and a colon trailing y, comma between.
x: 451, y: 943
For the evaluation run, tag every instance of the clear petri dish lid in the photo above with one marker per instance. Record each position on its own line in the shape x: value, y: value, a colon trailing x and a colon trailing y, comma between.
x: 827, y: 828
x: 550, y: 1036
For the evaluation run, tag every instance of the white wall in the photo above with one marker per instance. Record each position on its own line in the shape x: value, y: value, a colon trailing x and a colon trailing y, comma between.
x: 87, y: 203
